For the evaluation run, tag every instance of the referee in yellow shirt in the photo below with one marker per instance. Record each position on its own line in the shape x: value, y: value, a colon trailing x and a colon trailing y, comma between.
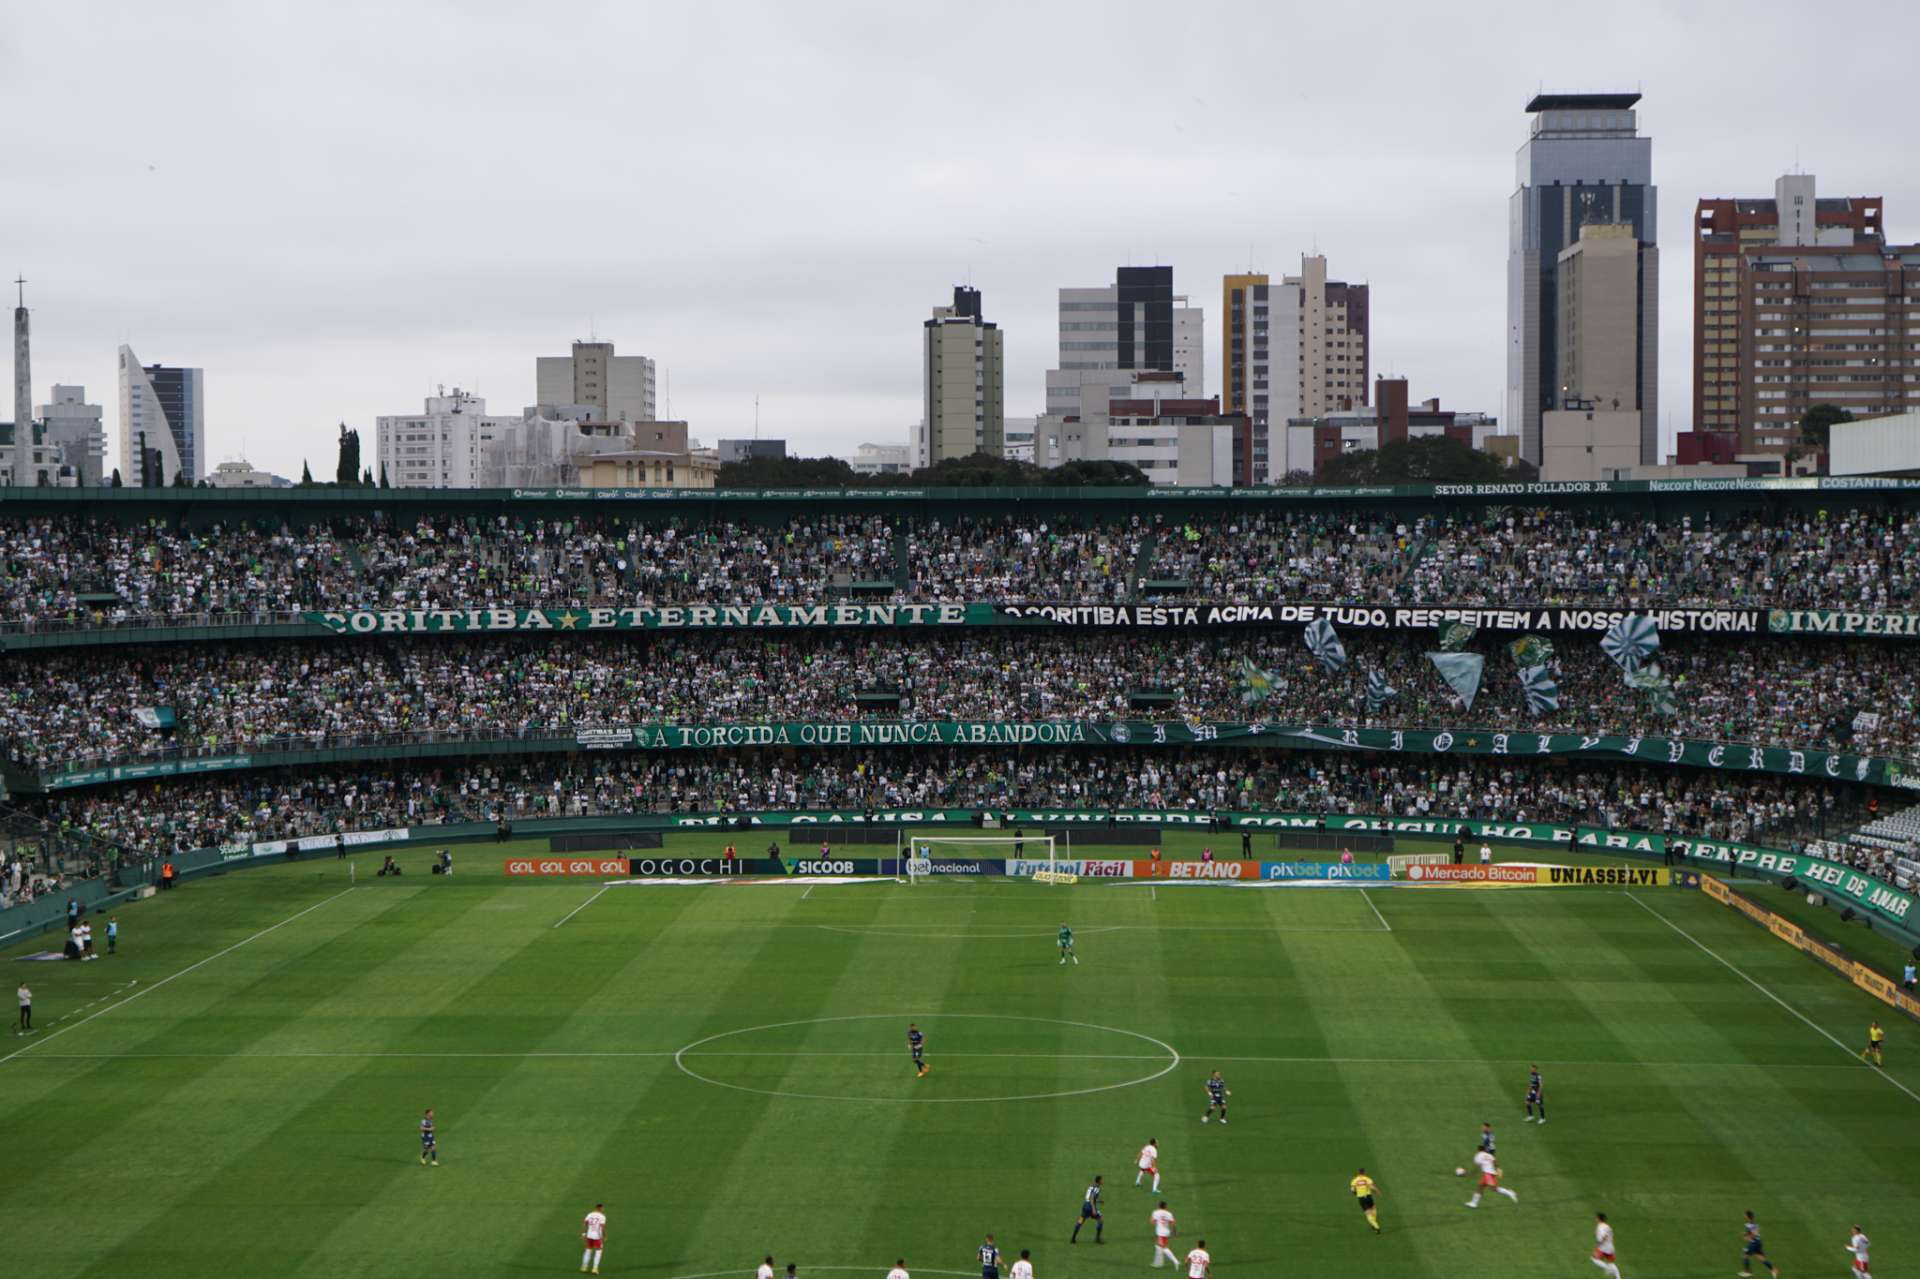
x: 1876, y: 1040
x: 1363, y: 1190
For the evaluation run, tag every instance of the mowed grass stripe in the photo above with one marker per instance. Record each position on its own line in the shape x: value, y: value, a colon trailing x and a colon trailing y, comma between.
x: 328, y: 1120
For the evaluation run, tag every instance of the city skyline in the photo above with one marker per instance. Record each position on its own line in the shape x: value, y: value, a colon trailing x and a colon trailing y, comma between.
x: 780, y: 237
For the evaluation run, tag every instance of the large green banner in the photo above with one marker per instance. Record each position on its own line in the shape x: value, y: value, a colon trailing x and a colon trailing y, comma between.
x: 1519, y: 743
x: 1826, y: 621
x: 1829, y: 878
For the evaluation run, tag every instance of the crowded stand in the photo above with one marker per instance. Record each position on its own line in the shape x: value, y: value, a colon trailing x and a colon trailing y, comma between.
x: 174, y: 816
x: 73, y: 706
x: 92, y: 572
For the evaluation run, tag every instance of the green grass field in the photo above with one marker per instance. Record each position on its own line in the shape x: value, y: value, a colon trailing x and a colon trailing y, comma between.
x: 724, y: 1066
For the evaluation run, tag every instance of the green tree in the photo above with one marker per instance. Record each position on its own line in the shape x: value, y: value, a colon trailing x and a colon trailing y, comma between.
x: 1817, y: 423
x: 347, y: 471
x: 306, y: 474
x: 116, y: 482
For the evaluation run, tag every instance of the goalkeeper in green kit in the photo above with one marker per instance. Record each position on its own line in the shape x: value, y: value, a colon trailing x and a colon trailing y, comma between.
x: 1066, y: 944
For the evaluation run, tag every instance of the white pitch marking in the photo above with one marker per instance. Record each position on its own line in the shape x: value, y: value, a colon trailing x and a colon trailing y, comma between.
x: 583, y: 905
x: 182, y: 973
x: 808, y: 893
x: 1812, y: 1025
x: 1376, y: 910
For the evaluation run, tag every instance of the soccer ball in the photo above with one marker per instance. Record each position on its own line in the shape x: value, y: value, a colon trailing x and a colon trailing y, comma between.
x: 1459, y: 1172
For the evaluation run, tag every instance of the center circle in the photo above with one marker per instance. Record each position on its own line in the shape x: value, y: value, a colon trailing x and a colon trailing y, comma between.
x: 1162, y: 1061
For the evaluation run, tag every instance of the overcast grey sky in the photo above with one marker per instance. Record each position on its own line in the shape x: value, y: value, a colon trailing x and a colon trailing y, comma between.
x: 332, y: 208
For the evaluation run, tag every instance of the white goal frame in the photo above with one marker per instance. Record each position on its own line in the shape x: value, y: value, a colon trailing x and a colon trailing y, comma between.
x: 916, y: 859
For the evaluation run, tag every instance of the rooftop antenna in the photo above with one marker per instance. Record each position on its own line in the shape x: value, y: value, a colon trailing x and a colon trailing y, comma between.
x: 21, y: 281
x: 756, y: 415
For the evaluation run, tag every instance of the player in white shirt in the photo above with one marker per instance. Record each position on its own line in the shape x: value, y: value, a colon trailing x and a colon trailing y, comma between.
x: 766, y: 1269
x: 1489, y: 1178
x: 1603, y: 1246
x: 1163, y: 1232
x: 1486, y: 854
x: 593, y: 1233
x: 1149, y: 1162
x: 899, y: 1270
x: 1858, y: 1247
x: 1199, y: 1261
x: 1023, y: 1268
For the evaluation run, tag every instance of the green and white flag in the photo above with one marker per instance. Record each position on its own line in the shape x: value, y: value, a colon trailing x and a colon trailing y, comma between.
x: 1462, y: 672
x: 1256, y: 685
x: 1455, y: 636
x: 1326, y: 646
x: 1543, y: 694
x: 1631, y: 642
x: 1533, y: 650
x: 1649, y: 679
x: 153, y: 716
x: 1379, y: 692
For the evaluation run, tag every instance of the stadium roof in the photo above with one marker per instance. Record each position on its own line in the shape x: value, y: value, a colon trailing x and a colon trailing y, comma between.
x: 1581, y: 102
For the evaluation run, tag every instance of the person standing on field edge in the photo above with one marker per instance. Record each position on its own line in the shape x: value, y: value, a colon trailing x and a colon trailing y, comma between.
x: 26, y: 1009
x: 1246, y: 844
x: 113, y: 934
x: 1459, y: 845
x: 1019, y: 842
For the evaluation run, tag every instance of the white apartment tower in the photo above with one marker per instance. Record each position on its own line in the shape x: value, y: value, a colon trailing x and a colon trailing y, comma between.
x: 618, y: 388
x: 451, y: 445
x: 963, y: 381
x: 1135, y: 323
x: 164, y: 408
x: 76, y: 428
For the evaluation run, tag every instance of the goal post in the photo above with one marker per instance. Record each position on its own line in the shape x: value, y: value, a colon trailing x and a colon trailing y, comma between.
x: 925, y: 853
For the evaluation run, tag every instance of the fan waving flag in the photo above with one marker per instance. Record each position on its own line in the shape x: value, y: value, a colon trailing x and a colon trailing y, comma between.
x: 1379, y: 692
x: 1631, y: 641
x: 1652, y: 681
x: 1455, y: 635
x: 1543, y: 694
x: 1462, y: 672
x: 1256, y: 685
x: 1326, y: 646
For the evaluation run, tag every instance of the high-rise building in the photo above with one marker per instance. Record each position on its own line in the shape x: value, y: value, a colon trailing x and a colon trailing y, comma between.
x: 1593, y: 431
x: 618, y: 388
x: 75, y: 427
x: 1291, y: 350
x: 1584, y: 162
x: 1730, y: 372
x: 22, y: 461
x: 164, y: 408
x: 1137, y: 322
x: 1145, y: 418
x: 963, y: 381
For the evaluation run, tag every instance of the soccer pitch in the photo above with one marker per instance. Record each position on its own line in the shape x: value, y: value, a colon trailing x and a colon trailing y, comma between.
x: 725, y: 1067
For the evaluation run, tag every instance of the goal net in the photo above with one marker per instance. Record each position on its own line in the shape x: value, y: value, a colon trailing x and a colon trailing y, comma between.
x: 928, y: 856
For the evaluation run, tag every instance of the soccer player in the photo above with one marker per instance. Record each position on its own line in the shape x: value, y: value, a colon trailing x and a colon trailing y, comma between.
x: 429, y: 1147
x: 1066, y: 944
x: 1149, y: 1162
x: 1876, y: 1038
x: 917, y: 1045
x: 1751, y: 1247
x: 989, y: 1259
x: 1535, y: 1095
x: 1489, y: 1178
x: 593, y: 1233
x: 899, y: 1270
x: 1023, y: 1268
x: 1857, y: 1245
x: 1363, y: 1190
x: 1164, y: 1228
x: 1090, y: 1211
x: 1199, y: 1261
x: 1217, y: 1094
x: 1603, y: 1247
x: 766, y: 1268
x: 1486, y: 1138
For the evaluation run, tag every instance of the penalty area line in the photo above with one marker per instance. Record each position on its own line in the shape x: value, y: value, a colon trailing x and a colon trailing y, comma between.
x: 1737, y: 972
x: 182, y: 973
x: 582, y: 906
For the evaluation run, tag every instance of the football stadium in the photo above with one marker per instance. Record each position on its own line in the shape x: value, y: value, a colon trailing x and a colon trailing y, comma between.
x: 1392, y: 881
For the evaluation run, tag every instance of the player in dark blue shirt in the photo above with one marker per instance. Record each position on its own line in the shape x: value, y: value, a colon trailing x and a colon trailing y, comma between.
x: 1751, y: 1247
x: 1535, y: 1095
x: 989, y: 1259
x: 917, y: 1045
x: 1090, y: 1211
x: 1217, y: 1094
x: 1486, y: 1138
x: 429, y: 1150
